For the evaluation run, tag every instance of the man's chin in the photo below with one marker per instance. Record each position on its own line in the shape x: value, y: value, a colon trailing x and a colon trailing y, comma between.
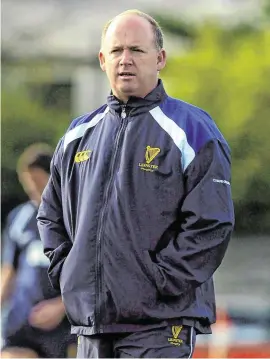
x: 128, y: 90
x: 124, y: 92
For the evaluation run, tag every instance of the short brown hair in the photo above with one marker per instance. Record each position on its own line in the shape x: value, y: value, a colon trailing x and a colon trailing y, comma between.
x: 155, y: 26
x: 37, y: 155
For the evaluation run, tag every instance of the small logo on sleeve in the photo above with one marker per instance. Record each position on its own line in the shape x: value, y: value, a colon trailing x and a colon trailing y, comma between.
x: 150, y: 155
x: 221, y: 181
x: 176, y: 330
x: 82, y: 156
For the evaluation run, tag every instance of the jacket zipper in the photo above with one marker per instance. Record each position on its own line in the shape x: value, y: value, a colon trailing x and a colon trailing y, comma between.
x: 113, y: 164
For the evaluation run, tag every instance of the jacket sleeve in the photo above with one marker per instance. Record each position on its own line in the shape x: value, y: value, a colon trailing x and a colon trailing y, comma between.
x: 207, y: 220
x: 56, y: 241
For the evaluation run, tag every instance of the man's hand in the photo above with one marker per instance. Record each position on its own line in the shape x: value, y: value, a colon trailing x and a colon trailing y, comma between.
x: 47, y: 314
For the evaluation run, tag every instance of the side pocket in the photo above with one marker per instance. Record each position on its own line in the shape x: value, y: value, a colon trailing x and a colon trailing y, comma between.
x: 61, y: 275
x: 154, y: 272
x: 63, y: 295
x: 62, y: 272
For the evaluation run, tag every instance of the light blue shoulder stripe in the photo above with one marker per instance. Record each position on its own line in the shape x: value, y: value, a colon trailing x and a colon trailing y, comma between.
x: 177, y: 134
x: 79, y: 131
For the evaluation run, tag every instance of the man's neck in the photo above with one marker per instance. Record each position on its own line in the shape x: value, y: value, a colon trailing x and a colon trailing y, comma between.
x: 124, y: 99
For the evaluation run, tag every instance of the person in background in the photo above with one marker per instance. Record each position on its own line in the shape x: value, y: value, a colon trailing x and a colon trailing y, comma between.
x: 35, y: 324
x: 138, y: 212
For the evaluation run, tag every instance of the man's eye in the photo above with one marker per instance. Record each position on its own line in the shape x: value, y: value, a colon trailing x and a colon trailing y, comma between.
x: 138, y: 50
x: 115, y: 50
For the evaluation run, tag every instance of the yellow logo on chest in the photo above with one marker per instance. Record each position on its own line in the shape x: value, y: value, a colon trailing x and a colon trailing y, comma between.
x: 150, y: 154
x: 82, y: 156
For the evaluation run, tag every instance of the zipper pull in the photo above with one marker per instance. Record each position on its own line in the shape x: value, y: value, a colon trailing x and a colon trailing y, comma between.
x: 123, y: 113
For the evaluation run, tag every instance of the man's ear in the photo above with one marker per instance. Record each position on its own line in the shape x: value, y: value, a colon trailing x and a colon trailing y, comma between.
x: 102, y: 60
x: 161, y: 60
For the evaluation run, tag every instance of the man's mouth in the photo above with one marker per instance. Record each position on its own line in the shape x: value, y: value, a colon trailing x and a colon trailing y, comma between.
x: 126, y: 74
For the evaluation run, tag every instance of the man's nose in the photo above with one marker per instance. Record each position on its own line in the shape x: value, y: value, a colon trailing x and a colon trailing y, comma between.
x: 126, y: 58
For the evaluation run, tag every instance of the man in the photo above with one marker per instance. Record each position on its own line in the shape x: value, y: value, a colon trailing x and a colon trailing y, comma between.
x: 35, y: 325
x: 138, y: 213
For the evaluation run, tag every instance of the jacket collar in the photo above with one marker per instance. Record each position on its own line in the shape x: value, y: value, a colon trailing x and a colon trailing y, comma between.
x: 137, y: 105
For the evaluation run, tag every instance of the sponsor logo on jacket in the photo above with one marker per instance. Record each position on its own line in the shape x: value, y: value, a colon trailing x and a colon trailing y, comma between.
x: 82, y: 156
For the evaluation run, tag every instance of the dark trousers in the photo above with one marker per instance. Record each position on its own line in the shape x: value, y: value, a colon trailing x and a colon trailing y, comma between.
x: 166, y: 342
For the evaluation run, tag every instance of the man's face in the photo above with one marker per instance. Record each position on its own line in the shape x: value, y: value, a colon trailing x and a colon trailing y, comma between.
x: 130, y: 57
x: 34, y: 181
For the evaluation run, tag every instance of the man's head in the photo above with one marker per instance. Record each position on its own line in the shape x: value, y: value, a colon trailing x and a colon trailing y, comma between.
x: 132, y: 54
x: 33, y: 169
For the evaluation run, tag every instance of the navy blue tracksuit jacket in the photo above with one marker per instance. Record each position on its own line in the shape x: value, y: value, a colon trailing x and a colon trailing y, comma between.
x: 138, y: 214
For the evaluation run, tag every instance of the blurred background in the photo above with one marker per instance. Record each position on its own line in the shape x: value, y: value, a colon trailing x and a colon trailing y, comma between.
x: 219, y: 59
